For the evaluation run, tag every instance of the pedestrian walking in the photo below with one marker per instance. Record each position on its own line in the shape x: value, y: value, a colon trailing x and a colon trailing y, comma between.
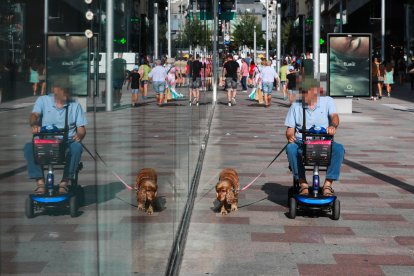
x: 34, y: 78
x: 244, y: 75
x: 231, y: 70
x: 282, y: 76
x: 143, y: 70
x: 118, y: 72
x: 291, y: 84
x: 158, y: 76
x: 389, y: 77
x: 268, y: 76
x: 195, y: 82
x: 133, y: 84
x: 411, y: 73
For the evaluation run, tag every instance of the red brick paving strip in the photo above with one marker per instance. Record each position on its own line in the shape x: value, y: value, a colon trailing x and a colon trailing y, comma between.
x: 339, y: 270
x: 404, y: 240
x: 401, y: 205
x: 364, y: 259
x: 301, y: 234
x: 372, y: 217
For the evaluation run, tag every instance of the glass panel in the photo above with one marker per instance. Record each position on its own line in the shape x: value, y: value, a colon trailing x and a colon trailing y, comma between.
x: 102, y: 232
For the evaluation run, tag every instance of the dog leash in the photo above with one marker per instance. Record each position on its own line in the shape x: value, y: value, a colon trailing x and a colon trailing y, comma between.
x: 280, y: 152
x: 114, y: 173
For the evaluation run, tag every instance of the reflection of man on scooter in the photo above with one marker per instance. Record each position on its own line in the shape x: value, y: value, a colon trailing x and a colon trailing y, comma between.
x: 321, y: 112
x: 57, y: 110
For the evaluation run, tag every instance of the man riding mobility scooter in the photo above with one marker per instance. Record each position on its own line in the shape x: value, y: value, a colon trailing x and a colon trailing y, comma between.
x: 316, y: 156
x: 50, y: 148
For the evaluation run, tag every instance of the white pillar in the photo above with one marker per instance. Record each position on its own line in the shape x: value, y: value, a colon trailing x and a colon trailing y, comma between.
x: 279, y: 35
x: 109, y: 52
x: 215, y: 56
x: 45, y: 28
x: 169, y: 28
x: 254, y: 45
x: 382, y: 30
x: 155, y: 31
x: 267, y: 29
x: 316, y: 36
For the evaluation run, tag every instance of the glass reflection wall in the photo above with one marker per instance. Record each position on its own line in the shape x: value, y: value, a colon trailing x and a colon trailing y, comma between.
x: 108, y: 235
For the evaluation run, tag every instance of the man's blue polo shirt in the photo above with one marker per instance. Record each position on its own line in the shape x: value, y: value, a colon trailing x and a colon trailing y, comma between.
x: 51, y: 115
x: 320, y: 116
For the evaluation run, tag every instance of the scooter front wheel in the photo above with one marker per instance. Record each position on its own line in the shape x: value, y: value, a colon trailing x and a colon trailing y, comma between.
x: 292, y: 207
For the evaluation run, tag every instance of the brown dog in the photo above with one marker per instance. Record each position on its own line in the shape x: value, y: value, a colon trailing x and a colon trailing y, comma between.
x: 227, y: 190
x: 146, y: 186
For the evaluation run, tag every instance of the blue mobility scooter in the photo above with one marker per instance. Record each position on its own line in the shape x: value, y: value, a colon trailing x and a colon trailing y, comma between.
x: 316, y: 156
x: 50, y: 148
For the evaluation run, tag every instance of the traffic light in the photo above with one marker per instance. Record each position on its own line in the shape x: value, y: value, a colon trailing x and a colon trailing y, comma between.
x: 228, y: 5
x: 204, y: 5
x: 120, y: 41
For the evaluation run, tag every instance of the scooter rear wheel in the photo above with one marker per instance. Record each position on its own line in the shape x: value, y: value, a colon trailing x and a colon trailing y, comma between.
x: 73, y: 206
x: 336, y: 209
x: 29, y: 207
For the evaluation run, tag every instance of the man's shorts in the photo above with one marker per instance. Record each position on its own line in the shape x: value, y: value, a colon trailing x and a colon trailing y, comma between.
x: 134, y: 91
x: 159, y: 86
x: 143, y: 82
x: 231, y: 83
x: 195, y: 83
x: 267, y: 87
x: 117, y: 83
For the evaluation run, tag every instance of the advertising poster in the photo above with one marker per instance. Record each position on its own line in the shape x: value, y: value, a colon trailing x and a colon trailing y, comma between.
x: 67, y: 55
x: 349, y: 65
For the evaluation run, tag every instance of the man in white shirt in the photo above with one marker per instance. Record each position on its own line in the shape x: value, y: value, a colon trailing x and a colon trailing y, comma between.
x: 268, y: 76
x: 158, y: 76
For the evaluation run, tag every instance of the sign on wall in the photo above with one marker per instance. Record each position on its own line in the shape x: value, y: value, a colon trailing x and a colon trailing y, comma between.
x: 67, y: 56
x: 349, y: 65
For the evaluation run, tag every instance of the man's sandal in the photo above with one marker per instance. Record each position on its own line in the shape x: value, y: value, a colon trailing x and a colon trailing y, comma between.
x: 40, y: 191
x: 304, y: 190
x: 328, y: 191
x: 63, y: 187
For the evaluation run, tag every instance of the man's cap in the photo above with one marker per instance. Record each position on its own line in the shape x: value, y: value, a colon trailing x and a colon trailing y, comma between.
x: 135, y: 67
x: 61, y: 81
x: 309, y: 82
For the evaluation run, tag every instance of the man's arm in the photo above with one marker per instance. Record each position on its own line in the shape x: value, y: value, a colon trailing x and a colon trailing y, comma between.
x: 333, y: 124
x: 80, y: 134
x: 290, y: 134
x: 34, y: 122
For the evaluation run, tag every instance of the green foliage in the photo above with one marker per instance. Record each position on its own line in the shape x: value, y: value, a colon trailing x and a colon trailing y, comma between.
x: 291, y: 36
x: 243, y: 33
x: 195, y: 33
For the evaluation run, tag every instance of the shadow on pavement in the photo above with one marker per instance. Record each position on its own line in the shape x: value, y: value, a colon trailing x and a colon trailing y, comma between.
x: 388, y: 179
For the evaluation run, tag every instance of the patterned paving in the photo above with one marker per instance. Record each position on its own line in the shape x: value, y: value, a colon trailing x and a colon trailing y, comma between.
x: 374, y: 236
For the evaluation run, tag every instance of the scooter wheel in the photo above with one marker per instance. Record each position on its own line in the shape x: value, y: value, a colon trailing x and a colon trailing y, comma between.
x: 29, y: 207
x: 73, y: 206
x: 291, y: 192
x: 292, y: 207
x: 336, y: 209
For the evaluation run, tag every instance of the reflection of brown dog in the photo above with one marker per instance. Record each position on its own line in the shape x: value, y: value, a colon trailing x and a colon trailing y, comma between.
x: 146, y: 185
x: 227, y: 190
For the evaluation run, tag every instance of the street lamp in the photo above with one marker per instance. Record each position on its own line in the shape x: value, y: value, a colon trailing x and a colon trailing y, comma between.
x: 267, y: 29
x: 268, y: 8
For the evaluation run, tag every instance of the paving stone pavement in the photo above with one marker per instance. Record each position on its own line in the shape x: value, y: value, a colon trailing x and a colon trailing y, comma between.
x: 374, y: 235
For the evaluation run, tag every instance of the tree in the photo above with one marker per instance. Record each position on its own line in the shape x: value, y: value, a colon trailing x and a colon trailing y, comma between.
x: 243, y: 33
x: 290, y: 37
x: 195, y: 34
